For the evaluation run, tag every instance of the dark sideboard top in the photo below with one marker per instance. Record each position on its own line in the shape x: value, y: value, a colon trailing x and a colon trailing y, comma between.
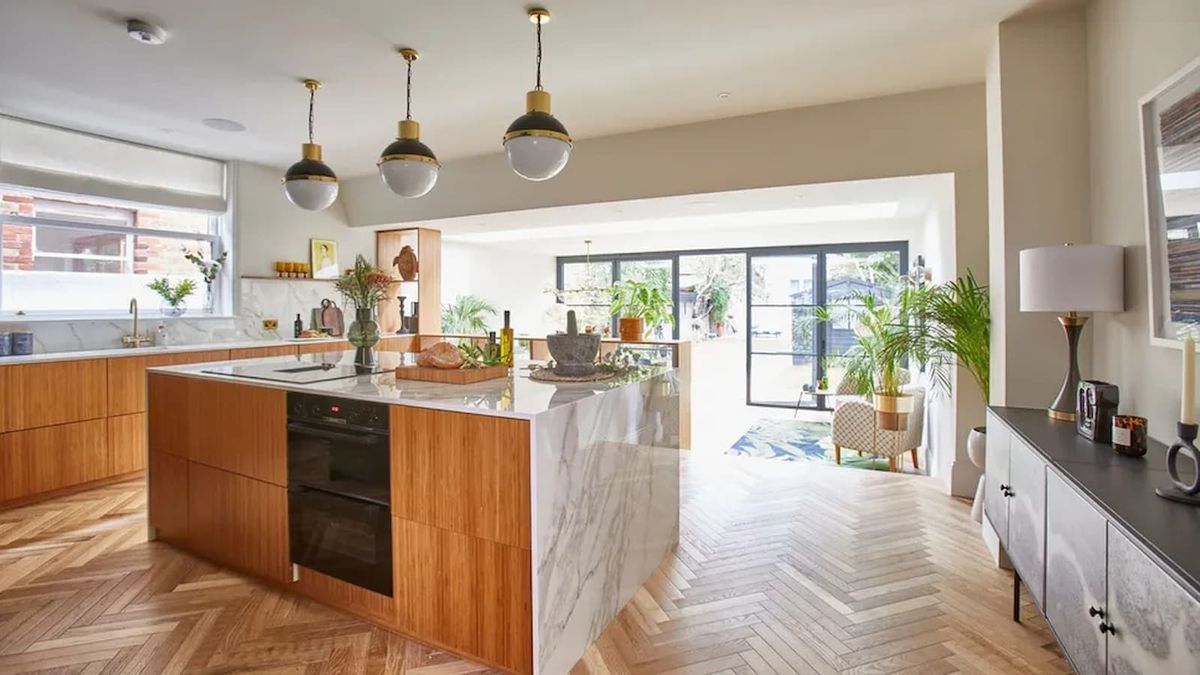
x: 1122, y: 487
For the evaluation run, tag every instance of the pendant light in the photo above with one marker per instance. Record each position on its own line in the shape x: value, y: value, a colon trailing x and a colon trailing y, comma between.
x: 408, y: 166
x: 310, y: 183
x: 536, y: 143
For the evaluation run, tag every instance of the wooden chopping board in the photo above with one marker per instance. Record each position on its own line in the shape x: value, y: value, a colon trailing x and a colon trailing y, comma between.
x: 451, y: 376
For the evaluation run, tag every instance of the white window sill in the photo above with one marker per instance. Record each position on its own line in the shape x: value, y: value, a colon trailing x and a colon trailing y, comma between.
x: 106, y: 316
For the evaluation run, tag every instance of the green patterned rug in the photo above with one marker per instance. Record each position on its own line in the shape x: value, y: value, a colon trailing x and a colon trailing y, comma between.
x: 798, y: 441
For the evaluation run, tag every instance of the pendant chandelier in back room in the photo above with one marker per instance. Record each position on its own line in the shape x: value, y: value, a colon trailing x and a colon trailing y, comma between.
x: 536, y: 144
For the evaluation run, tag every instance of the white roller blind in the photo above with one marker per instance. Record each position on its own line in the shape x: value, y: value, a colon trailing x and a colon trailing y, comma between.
x: 49, y: 158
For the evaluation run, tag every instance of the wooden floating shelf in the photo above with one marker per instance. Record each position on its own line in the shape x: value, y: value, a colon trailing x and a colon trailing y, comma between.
x: 258, y: 277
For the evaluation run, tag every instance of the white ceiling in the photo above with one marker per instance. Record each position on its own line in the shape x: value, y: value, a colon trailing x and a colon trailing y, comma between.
x: 612, y: 65
x: 866, y: 210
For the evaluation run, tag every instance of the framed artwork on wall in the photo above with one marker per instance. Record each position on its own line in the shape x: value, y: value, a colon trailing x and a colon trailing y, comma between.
x: 324, y: 259
x: 1170, y: 118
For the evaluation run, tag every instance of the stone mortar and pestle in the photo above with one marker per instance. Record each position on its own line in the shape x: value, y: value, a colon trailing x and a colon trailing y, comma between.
x: 574, y: 353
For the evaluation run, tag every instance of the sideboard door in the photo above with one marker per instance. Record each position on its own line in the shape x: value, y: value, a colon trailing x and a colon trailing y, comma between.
x: 1075, y: 574
x: 1027, y: 517
x: 995, y: 503
x: 1156, y: 622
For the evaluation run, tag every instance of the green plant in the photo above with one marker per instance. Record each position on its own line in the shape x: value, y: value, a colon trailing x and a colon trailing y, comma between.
x: 466, y: 315
x: 209, y: 269
x: 870, y: 367
x: 718, y: 303
x: 945, y: 324
x: 479, y: 356
x: 173, y: 295
x: 635, y: 299
x: 364, y: 284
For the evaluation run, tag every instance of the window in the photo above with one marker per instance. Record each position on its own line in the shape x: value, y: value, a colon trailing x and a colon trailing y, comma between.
x: 585, y: 289
x: 71, y: 255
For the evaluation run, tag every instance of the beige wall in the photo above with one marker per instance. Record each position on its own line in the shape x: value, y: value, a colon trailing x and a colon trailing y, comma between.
x: 1038, y: 189
x: 925, y: 132
x: 1133, y: 45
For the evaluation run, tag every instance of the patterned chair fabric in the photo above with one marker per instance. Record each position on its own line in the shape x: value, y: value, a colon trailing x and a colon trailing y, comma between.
x: 854, y: 423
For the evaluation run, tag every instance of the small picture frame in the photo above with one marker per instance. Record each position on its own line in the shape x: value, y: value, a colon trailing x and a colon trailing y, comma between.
x: 324, y: 259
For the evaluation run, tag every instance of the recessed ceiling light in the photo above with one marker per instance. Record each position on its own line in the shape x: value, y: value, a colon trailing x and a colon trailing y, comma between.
x: 145, y: 32
x: 724, y: 96
x: 222, y: 124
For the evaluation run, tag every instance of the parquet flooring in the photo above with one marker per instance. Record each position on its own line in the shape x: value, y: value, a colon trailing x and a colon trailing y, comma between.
x: 780, y: 569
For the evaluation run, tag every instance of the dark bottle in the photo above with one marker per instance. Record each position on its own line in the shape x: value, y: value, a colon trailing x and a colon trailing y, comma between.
x: 298, y: 327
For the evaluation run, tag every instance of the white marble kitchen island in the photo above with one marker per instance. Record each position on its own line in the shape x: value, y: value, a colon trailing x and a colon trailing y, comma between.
x: 601, y: 508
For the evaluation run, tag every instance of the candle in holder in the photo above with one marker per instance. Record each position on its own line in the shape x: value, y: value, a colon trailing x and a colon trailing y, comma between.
x: 1187, y: 406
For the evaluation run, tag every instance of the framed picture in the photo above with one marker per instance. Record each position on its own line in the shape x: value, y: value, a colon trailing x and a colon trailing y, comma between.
x: 324, y: 259
x: 1171, y: 167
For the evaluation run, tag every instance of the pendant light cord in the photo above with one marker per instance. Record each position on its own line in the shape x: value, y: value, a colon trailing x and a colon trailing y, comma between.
x: 539, y: 54
x: 408, y: 92
x: 312, y: 96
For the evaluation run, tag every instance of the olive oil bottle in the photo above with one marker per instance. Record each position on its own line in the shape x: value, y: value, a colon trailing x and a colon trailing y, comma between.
x: 506, y: 341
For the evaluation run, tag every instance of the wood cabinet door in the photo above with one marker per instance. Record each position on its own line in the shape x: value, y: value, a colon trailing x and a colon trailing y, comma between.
x: 995, y: 503
x: 1156, y: 622
x: 1075, y: 574
x: 324, y: 347
x: 43, y: 394
x: 126, y: 444
x: 262, y: 352
x: 127, y: 376
x: 167, y: 503
x: 1027, y: 517
x: 40, y: 460
x: 238, y: 428
x: 238, y: 521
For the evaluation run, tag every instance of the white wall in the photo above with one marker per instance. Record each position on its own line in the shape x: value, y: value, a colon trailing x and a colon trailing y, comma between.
x: 508, y: 279
x: 1133, y: 45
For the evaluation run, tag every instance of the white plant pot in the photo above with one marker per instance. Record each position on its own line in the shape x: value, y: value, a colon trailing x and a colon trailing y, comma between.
x: 977, y: 452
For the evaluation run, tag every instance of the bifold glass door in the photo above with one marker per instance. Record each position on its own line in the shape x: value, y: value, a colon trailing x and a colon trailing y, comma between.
x: 783, y: 337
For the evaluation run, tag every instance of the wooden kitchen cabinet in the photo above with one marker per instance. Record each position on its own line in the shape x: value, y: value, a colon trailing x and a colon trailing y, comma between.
x: 262, y: 352
x: 51, y: 458
x: 58, y: 392
x: 398, y: 343
x: 126, y: 444
x: 168, y: 497
x: 466, y: 593
x: 996, y: 480
x: 127, y: 376
x: 464, y: 473
x: 238, y: 521
x: 322, y: 347
x: 1075, y: 574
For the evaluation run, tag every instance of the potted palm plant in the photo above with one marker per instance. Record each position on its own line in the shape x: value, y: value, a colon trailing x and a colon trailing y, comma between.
x: 641, y: 307
x: 467, y: 315
x: 870, y: 369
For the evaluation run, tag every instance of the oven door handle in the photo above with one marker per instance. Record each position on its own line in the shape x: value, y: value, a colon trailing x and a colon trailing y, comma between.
x: 300, y: 490
x: 361, y: 438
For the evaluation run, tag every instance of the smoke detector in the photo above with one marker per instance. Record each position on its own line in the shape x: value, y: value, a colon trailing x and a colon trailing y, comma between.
x: 146, y: 33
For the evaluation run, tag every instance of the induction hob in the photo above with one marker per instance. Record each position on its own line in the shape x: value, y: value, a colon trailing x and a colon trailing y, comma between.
x: 294, y: 373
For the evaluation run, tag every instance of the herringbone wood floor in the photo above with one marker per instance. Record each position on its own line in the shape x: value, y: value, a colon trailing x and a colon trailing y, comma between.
x: 781, y: 568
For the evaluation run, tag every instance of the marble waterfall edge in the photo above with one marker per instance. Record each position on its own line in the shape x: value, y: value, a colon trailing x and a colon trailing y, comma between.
x: 606, y: 511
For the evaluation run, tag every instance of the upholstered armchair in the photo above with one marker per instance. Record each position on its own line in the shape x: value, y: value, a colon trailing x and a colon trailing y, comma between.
x: 854, y: 427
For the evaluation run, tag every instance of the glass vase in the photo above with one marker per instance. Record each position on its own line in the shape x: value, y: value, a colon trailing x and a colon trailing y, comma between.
x: 363, y: 334
x: 173, y: 311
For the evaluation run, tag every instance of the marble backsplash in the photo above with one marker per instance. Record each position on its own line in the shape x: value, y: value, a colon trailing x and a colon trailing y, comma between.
x: 258, y: 299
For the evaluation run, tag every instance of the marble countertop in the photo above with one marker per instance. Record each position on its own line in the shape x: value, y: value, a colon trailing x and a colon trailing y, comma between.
x: 515, y: 396
x: 116, y: 352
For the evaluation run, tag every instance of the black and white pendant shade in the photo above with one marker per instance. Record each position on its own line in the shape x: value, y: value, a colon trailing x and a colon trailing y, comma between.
x: 536, y: 143
x: 310, y: 183
x: 407, y: 166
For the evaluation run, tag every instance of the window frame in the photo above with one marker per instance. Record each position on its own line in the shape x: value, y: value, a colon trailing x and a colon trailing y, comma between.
x: 218, y: 231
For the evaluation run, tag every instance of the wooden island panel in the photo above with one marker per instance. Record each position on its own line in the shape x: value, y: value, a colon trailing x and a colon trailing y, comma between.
x: 322, y: 347
x: 168, y: 497
x: 238, y: 521
x: 461, y: 472
x: 127, y: 376
x: 58, y: 392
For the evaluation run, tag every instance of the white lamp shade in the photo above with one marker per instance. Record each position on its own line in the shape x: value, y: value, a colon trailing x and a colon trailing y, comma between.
x: 311, y: 195
x: 1077, y: 278
x: 537, y: 157
x: 409, y: 177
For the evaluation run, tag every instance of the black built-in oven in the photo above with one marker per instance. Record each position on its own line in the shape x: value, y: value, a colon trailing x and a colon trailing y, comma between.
x: 339, y: 489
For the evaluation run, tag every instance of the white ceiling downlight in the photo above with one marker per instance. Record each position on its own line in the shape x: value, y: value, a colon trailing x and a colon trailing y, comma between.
x: 222, y: 124
x: 145, y: 32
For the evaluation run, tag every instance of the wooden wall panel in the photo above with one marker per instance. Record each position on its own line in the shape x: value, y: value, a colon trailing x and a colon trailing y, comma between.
x: 430, y: 281
x: 238, y: 428
x: 39, y: 460
x: 465, y: 593
x: 398, y: 343
x: 127, y: 376
x: 126, y: 443
x: 322, y: 347
x: 238, y: 521
x: 168, y: 498
x: 465, y: 473
x: 262, y: 352
x: 167, y: 424
x: 42, y: 394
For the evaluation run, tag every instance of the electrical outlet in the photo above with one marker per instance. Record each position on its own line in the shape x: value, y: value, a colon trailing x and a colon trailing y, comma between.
x: 270, y: 324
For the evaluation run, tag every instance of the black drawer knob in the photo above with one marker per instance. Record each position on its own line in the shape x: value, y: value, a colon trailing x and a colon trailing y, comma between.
x: 1003, y: 489
x: 1092, y: 611
x: 1107, y: 628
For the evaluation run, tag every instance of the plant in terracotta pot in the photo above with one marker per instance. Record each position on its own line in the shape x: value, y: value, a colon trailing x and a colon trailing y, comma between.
x: 641, y: 307
x: 364, y: 286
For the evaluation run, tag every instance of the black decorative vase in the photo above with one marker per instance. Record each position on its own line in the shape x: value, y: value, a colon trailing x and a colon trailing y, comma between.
x: 1180, y: 491
x: 363, y: 334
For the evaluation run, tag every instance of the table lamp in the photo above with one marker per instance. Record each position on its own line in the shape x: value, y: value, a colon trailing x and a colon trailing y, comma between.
x: 1068, y: 280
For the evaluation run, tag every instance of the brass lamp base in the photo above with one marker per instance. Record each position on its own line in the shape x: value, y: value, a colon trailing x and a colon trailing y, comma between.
x: 1065, y: 407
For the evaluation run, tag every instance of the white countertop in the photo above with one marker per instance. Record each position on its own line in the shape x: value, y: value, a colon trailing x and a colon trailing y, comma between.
x: 513, y: 396
x: 116, y: 352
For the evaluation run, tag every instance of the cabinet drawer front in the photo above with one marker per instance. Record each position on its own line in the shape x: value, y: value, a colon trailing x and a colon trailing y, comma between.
x: 1075, y: 574
x: 1157, y: 622
x: 1027, y: 516
x: 127, y: 376
x: 51, y: 458
x: 238, y: 521
x: 33, y: 394
x: 262, y: 352
x: 995, y: 504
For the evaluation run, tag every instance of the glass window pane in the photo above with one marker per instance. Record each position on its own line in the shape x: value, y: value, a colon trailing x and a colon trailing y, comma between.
x: 784, y: 280
x: 175, y: 221
x: 657, y: 274
x: 587, y: 284
x: 780, y: 379
x: 712, y: 296
x: 874, y: 273
x: 839, y: 330
x: 783, y: 329
x: 79, y: 242
x: 596, y: 317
